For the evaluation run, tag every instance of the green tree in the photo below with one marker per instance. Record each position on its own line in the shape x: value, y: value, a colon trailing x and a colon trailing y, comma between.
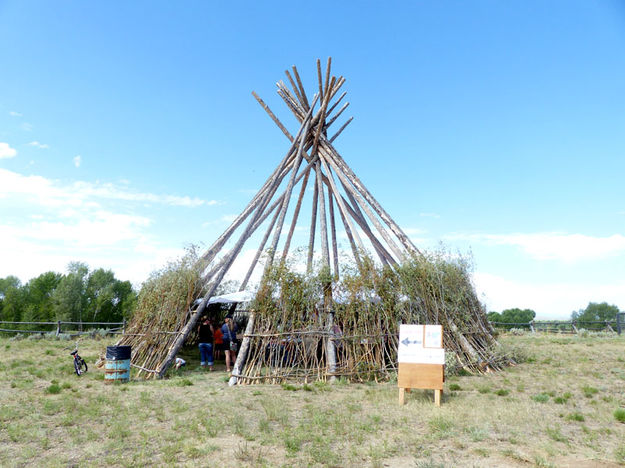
x: 126, y: 298
x: 70, y: 297
x: 494, y: 316
x: 13, y: 299
x: 108, y: 299
x: 517, y: 315
x: 595, y: 312
x: 100, y: 294
x: 38, y: 296
x: 512, y: 316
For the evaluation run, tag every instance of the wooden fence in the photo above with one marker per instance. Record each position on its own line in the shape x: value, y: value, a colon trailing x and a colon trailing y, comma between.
x: 58, y: 327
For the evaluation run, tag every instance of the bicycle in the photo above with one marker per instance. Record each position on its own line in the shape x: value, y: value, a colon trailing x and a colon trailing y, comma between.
x: 80, y: 366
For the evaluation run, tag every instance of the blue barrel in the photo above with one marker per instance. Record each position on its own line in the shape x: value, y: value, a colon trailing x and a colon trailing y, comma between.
x: 117, y: 366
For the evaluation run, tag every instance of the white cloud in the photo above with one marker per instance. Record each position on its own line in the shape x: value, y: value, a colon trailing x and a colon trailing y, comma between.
x: 223, y: 220
x: 47, y: 224
x: 549, y: 300
x: 100, y: 228
x: 51, y: 193
x: 132, y: 255
x: 110, y: 191
x: 77, y: 160
x: 556, y: 246
x: 36, y: 144
x: 15, y: 114
x: 6, y: 151
x: 27, y: 127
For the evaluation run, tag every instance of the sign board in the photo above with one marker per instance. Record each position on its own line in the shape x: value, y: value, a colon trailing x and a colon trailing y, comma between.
x: 421, y: 358
x: 421, y: 344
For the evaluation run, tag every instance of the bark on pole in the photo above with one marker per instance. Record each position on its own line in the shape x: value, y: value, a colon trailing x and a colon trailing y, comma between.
x: 343, y: 210
x: 214, y: 249
x: 326, y: 148
x: 259, y: 252
x: 353, y: 194
x: 341, y: 129
x: 385, y: 257
x: 287, y: 196
x: 350, y: 174
x: 336, y: 103
x: 370, y: 199
x: 295, y: 88
x: 337, y: 115
x: 298, y: 206
x: 301, y: 87
x: 335, y: 255
x: 313, y: 227
x: 352, y: 207
x: 350, y: 237
x: 319, y: 78
x: 325, y: 255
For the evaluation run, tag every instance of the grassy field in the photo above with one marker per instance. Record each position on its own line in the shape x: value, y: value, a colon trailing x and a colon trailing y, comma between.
x: 564, y: 406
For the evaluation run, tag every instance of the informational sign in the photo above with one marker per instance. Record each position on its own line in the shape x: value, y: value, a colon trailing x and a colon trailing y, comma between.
x: 421, y: 359
x: 421, y: 344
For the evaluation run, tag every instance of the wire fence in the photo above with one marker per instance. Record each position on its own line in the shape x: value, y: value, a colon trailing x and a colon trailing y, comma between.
x: 119, y: 328
x: 64, y: 328
x: 571, y: 326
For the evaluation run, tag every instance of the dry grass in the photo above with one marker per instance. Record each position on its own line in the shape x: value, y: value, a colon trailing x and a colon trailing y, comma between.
x: 558, y: 409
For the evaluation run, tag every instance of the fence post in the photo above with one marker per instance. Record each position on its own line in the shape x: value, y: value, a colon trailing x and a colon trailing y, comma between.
x: 124, y: 326
x: 58, y: 328
x: 532, y: 326
x: 619, y: 329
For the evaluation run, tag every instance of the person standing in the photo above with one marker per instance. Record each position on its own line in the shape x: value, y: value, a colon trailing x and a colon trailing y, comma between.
x: 229, y: 330
x: 205, y: 337
x: 219, y: 342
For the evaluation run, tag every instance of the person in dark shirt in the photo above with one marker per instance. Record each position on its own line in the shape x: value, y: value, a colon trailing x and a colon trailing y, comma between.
x: 205, y: 337
x: 229, y: 329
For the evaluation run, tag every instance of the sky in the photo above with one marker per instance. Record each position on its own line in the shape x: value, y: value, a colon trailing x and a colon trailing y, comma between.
x: 491, y: 129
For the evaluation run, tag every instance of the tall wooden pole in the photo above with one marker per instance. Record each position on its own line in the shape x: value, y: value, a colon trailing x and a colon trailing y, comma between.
x: 335, y: 255
x: 355, y: 181
x: 313, y: 228
x: 287, y: 197
x: 298, y: 206
x: 259, y: 252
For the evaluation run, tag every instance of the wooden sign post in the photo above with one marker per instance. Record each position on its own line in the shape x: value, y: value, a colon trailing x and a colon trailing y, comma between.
x: 421, y: 358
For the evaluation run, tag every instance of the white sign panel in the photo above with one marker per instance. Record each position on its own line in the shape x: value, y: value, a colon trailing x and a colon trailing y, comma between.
x: 421, y: 344
x: 433, y: 336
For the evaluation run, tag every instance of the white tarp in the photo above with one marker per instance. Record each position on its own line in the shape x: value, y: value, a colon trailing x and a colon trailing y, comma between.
x: 240, y: 296
x: 341, y: 298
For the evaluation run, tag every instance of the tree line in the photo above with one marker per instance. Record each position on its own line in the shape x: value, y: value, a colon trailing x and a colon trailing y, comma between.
x: 78, y: 296
x: 594, y: 312
x: 97, y: 296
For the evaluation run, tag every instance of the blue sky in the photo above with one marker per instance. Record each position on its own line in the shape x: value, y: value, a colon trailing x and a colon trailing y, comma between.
x: 128, y: 130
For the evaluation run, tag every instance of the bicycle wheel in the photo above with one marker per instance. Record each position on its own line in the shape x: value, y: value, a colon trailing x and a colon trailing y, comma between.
x: 77, y: 367
x: 83, y: 365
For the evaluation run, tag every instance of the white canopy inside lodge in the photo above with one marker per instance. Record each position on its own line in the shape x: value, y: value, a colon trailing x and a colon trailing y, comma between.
x: 239, y: 296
